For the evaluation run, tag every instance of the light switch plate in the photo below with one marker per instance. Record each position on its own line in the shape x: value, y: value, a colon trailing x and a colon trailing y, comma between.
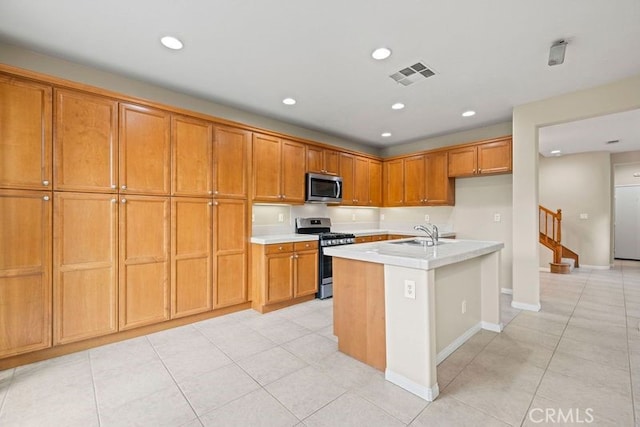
x: 426, y: 218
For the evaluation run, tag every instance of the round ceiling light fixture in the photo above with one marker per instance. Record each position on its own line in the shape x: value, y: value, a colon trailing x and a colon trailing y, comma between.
x: 171, y: 43
x: 398, y: 106
x: 381, y: 53
x: 289, y: 101
x: 385, y: 134
x: 469, y: 113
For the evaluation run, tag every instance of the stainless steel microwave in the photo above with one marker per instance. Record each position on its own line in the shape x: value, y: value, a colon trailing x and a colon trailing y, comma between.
x: 323, y: 188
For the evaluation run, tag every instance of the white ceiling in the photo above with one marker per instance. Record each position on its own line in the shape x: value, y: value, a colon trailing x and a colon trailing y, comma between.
x: 489, y: 55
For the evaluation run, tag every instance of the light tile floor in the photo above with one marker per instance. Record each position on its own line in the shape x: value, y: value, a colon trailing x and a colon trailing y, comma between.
x: 576, y: 360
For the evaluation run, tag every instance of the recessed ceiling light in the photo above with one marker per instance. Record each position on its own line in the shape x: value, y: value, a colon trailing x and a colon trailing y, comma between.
x: 556, y: 152
x: 398, y: 106
x: 469, y: 113
x: 171, y: 42
x: 288, y: 101
x: 381, y: 53
x: 385, y: 134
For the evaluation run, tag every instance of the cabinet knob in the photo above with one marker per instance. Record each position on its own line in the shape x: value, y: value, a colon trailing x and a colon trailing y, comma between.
x: 215, y: 192
x: 113, y: 186
x: 124, y: 200
x: 279, y: 248
x: 45, y: 198
x: 45, y: 183
x: 210, y: 203
x: 113, y: 200
x: 210, y: 192
x: 124, y: 187
x: 479, y: 170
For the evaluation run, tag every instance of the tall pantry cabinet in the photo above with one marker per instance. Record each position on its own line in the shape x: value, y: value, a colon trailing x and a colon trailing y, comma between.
x: 113, y: 215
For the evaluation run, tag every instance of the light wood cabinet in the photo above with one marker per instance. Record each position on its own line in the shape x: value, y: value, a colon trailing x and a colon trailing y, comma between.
x: 85, y: 266
x: 284, y: 274
x: 489, y: 157
x: 364, y: 239
x: 375, y: 182
x: 144, y: 282
x: 230, y: 252
x: 230, y: 162
x: 25, y: 134
x: 424, y: 180
x: 362, y: 180
x: 414, y: 181
x: 191, y: 145
x: 25, y: 271
x: 191, y: 256
x: 393, y: 178
x: 85, y: 155
x: 323, y: 160
x: 439, y: 187
x: 145, y: 150
x: 278, y: 170
x: 347, y: 172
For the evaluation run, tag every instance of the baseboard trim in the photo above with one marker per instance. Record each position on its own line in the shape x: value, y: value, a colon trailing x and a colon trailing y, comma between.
x: 524, y: 306
x: 427, y: 393
x: 508, y: 291
x: 455, y: 344
x: 493, y: 327
x: 595, y: 267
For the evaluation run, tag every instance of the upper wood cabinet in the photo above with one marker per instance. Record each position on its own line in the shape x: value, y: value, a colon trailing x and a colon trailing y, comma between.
x: 375, y: 182
x: 439, y: 188
x: 420, y: 180
x: 489, y: 157
x: 348, y: 174
x: 25, y: 271
x: 393, y: 182
x: 144, y: 283
x: 85, y: 266
x: 323, y: 160
x: 85, y: 146
x: 25, y: 134
x: 145, y: 150
x: 230, y: 162
x: 278, y: 170
x: 361, y: 179
x: 192, y: 168
x: 414, y: 181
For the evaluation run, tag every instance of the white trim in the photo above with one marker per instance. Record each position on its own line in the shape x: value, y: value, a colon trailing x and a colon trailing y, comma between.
x: 493, y: 327
x: 525, y: 306
x: 508, y: 291
x: 595, y: 267
x: 427, y: 393
x: 545, y: 269
x: 455, y: 344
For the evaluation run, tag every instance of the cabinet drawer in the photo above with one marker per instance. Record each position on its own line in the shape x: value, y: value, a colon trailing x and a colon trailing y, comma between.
x: 305, y: 246
x: 364, y: 239
x: 278, y: 248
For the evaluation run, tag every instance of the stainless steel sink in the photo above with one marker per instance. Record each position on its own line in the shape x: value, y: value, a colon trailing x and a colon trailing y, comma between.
x: 418, y: 242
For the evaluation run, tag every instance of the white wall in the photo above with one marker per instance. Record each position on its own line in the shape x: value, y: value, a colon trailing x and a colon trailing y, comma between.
x: 579, y: 184
x: 618, y: 96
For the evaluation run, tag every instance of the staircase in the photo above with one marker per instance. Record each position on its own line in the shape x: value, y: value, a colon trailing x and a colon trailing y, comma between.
x: 564, y: 259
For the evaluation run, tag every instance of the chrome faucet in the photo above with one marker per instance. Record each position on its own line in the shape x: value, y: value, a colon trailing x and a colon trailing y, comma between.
x: 433, y: 233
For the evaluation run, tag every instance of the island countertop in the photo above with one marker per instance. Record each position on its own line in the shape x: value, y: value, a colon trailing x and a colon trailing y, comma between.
x: 450, y: 251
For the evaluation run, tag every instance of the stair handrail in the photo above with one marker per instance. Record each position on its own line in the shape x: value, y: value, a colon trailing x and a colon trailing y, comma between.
x: 549, y: 217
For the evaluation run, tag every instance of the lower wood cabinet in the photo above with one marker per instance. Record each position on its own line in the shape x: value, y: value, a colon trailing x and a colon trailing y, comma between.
x: 25, y: 271
x: 283, y: 274
x: 144, y: 284
x: 85, y: 266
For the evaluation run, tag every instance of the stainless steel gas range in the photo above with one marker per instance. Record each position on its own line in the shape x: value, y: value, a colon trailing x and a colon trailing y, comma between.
x: 322, y: 228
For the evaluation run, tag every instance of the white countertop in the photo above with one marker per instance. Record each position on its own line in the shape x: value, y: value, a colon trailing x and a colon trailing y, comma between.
x: 283, y: 238
x: 376, y: 232
x: 423, y: 258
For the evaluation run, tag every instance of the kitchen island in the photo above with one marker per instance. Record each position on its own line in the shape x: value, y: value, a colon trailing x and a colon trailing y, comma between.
x: 403, y: 307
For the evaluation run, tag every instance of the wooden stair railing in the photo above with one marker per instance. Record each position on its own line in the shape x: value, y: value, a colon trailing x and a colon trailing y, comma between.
x: 551, y: 236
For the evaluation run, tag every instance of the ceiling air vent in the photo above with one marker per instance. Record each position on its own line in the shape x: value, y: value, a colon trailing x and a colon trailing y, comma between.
x: 412, y: 74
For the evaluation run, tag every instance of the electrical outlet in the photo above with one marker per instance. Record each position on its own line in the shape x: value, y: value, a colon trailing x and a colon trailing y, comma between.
x: 426, y: 217
x: 410, y: 289
x: 584, y: 216
x: 497, y: 217
x: 280, y: 217
x: 353, y: 217
x: 464, y: 306
x: 381, y: 217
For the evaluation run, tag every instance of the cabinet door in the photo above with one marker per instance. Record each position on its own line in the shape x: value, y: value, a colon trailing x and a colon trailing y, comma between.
x: 279, y: 277
x: 86, y: 142
x: 331, y: 162
x: 25, y: 271
x: 267, y: 168
x: 293, y: 170
x: 375, y: 183
x: 361, y: 181
x: 494, y: 157
x: 462, y: 161
x: 191, y: 269
x: 85, y: 264
x: 230, y: 239
x: 315, y: 159
x: 191, y: 141
x: 144, y: 284
x: 25, y: 134
x: 414, y: 181
x: 440, y: 188
x: 393, y: 191
x: 145, y: 150
x: 347, y: 171
x: 306, y: 273
x: 230, y: 162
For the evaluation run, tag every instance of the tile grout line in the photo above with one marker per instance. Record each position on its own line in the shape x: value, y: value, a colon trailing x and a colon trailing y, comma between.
x: 4, y: 397
x: 626, y: 320
x: 93, y: 384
